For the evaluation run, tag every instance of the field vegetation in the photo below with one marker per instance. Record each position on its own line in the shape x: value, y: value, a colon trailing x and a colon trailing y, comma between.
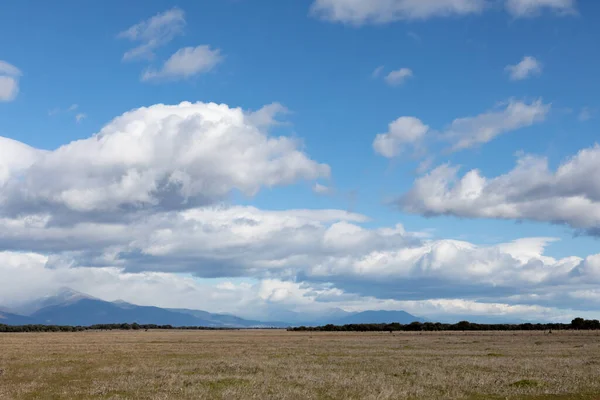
x: 277, y: 364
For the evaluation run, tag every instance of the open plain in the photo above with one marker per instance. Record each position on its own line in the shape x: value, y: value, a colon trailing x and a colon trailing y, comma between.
x: 263, y: 364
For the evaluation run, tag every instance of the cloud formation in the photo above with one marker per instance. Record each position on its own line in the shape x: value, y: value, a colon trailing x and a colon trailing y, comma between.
x: 462, y: 133
x: 403, y: 131
x: 529, y: 8
x: 186, y: 63
x: 358, y: 12
x: 526, y: 68
x: 153, y: 33
x: 164, y: 157
x: 9, y: 81
x: 468, y: 132
x: 259, y: 299
x: 398, y: 77
x: 531, y: 191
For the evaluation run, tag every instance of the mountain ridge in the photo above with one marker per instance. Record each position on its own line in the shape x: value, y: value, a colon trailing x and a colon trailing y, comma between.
x: 70, y: 307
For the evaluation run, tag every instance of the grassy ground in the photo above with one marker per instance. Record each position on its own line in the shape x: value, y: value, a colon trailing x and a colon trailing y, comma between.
x: 286, y: 365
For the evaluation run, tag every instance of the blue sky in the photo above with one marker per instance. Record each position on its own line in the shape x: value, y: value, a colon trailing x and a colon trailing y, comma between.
x: 330, y: 63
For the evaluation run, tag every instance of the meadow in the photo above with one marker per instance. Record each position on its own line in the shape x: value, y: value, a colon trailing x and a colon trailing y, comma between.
x: 276, y: 364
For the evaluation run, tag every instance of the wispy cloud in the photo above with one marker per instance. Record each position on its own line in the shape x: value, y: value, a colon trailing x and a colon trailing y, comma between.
x: 472, y: 131
x: 153, y: 33
x: 377, y: 71
x: 530, y: 8
x: 586, y: 114
x: 185, y: 63
x: 398, y: 77
x: 526, y: 68
x: 9, y: 81
x: 359, y: 12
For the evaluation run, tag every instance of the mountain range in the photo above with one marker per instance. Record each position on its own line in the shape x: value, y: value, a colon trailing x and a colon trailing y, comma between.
x: 69, y: 307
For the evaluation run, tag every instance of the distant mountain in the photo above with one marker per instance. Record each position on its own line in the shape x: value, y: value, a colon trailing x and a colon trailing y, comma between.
x: 62, y: 297
x: 14, y: 319
x: 69, y: 307
x: 92, y: 311
x: 226, y: 320
x: 377, y: 317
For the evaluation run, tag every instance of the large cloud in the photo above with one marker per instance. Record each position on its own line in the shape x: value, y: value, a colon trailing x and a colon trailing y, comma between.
x: 570, y: 195
x: 28, y: 274
x: 162, y: 156
x: 319, y: 246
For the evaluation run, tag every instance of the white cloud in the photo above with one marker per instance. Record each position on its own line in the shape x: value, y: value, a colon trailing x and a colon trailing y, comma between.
x: 318, y: 246
x: 267, y: 115
x: 472, y: 131
x: 520, y: 265
x: 526, y: 68
x: 322, y: 189
x: 528, y: 8
x: 398, y: 77
x: 15, y: 157
x: 186, y: 63
x: 570, y: 195
x: 463, y: 133
x: 401, y: 132
x: 160, y: 156
x: 358, y: 12
x: 9, y: 81
x: 586, y: 114
x: 377, y: 71
x: 153, y: 33
x: 130, y: 213
x: 71, y: 109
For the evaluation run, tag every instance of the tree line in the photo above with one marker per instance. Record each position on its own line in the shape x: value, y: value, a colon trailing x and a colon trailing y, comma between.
x: 576, y: 324
x: 103, y: 327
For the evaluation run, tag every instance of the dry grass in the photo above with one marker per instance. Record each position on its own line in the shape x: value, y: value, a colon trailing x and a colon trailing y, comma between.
x: 286, y: 365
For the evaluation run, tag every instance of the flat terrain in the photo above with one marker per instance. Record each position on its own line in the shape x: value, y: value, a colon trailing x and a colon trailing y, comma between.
x: 288, y: 365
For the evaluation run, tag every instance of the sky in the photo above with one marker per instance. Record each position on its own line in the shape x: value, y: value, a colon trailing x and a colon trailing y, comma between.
x: 266, y: 158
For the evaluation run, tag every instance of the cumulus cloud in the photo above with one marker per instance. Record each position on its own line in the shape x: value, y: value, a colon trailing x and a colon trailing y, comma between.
x: 526, y: 68
x: 358, y: 12
x: 529, y: 8
x: 15, y: 157
x: 468, y: 132
x: 156, y: 157
x: 462, y: 133
x: 138, y: 206
x: 315, y: 246
x: 186, y: 63
x: 9, y: 81
x: 398, y: 77
x: 519, y: 265
x: 153, y: 33
x: 401, y: 132
x: 570, y: 195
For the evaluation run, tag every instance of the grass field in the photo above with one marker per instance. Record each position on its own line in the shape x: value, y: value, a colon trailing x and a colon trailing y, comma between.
x: 287, y: 365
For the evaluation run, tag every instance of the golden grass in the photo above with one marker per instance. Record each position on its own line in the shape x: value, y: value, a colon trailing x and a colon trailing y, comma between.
x: 291, y: 365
